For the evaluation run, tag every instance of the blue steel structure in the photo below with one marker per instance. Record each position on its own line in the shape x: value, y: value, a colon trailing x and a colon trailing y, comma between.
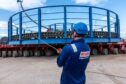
x: 62, y: 18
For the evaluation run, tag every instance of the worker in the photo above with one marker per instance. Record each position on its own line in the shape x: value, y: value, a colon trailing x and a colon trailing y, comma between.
x: 75, y: 57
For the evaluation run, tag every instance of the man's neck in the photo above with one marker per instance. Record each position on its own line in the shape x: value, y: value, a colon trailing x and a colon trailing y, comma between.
x: 77, y: 38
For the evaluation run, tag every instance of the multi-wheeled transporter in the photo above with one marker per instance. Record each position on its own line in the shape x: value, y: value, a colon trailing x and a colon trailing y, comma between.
x: 31, y: 32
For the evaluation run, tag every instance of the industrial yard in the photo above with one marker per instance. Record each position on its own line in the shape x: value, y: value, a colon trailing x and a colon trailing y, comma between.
x: 110, y: 69
x: 36, y: 35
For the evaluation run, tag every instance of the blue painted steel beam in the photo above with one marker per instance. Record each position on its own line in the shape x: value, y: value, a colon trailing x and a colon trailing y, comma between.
x: 20, y: 27
x: 16, y: 31
x: 50, y: 26
x: 118, y: 26
x: 23, y: 31
x: 10, y: 29
x: 65, y: 22
x: 102, y: 29
x: 11, y: 33
x: 55, y: 27
x: 19, y: 0
x: 39, y: 24
x: 64, y: 41
x: 72, y: 26
x: 108, y: 24
x: 90, y: 22
x: 63, y: 6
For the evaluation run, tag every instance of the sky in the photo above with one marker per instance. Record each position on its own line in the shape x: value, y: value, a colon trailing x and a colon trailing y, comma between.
x: 10, y: 7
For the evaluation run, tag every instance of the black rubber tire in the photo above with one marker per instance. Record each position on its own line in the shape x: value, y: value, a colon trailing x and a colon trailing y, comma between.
x: 49, y: 52
x: 42, y: 53
x: 105, y: 51
x: 25, y: 53
x: 9, y: 53
x: 0, y: 53
x: 15, y: 53
x: 31, y: 53
x: 94, y: 51
x: 37, y: 53
x: 116, y: 51
x: 20, y: 53
x: 4, y: 54
x: 125, y: 51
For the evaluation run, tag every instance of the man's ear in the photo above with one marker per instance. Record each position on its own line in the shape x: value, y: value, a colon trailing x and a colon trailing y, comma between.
x: 75, y: 35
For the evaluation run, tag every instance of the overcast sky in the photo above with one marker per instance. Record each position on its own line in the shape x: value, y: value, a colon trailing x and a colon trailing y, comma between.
x: 9, y: 7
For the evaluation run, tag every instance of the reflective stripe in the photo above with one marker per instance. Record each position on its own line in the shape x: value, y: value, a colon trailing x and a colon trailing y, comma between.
x: 74, y: 47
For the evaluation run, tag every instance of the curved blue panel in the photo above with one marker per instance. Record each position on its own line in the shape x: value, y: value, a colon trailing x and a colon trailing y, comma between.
x: 53, y: 24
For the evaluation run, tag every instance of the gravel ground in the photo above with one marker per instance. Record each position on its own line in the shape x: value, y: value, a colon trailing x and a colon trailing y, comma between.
x: 109, y: 69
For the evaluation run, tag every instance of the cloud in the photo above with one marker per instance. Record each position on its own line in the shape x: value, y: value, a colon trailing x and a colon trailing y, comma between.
x: 92, y: 2
x: 1, y: 35
x: 105, y: 18
x: 12, y: 5
x: 3, y: 24
x: 3, y: 28
x: 123, y: 33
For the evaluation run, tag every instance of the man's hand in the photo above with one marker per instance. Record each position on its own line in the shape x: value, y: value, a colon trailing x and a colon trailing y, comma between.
x: 59, y: 50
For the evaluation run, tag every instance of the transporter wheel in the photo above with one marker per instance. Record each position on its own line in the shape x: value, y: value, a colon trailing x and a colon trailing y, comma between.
x: 25, y: 53
x: 42, y: 52
x: 15, y: 53
x: 4, y: 53
x: 0, y: 53
x: 125, y: 50
x: 9, y: 53
x: 94, y: 51
x: 37, y: 53
x: 49, y: 52
x: 116, y: 51
x: 20, y: 53
x: 105, y: 51
x: 31, y: 53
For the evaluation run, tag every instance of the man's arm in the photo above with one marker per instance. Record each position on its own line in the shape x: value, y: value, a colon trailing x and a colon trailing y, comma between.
x: 63, y: 56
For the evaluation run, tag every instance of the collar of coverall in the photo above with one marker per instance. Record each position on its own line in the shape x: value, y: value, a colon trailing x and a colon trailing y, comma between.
x: 79, y: 40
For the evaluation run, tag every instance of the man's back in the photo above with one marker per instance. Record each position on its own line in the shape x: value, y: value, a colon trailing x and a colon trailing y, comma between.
x: 74, y: 59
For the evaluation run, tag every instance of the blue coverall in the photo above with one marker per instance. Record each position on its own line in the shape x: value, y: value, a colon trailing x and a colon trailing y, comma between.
x: 74, y: 65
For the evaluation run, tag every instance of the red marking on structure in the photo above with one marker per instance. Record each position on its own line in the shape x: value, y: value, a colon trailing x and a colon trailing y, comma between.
x: 84, y: 54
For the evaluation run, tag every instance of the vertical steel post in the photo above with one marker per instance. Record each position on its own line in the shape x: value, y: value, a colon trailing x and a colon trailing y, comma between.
x: 118, y: 26
x: 72, y: 25
x: 23, y: 31
x: 115, y: 25
x: 50, y: 26
x: 108, y: 24
x: 39, y: 24
x: 102, y: 29
x: 20, y: 27
x: 55, y: 27
x: 65, y: 22
x: 90, y: 22
x: 10, y: 29
x: 16, y: 31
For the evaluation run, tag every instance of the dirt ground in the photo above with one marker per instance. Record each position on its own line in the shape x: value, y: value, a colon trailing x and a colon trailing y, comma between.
x: 109, y: 69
